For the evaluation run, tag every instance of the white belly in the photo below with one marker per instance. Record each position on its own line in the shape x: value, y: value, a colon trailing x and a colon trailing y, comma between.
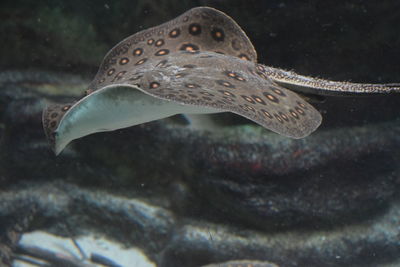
x: 115, y: 108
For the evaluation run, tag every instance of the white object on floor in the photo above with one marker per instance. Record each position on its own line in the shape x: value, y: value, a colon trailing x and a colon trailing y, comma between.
x: 126, y: 257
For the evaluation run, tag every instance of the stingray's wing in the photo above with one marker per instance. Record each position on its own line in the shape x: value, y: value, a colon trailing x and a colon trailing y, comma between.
x: 51, y: 117
x: 226, y: 83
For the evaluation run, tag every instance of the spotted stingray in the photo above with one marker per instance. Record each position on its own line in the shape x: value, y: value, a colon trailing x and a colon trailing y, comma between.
x: 200, y: 62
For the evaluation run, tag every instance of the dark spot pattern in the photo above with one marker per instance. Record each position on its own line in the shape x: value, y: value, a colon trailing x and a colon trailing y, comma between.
x: 271, y: 98
x: 228, y: 99
x: 302, y: 105
x: 192, y: 52
x: 258, y: 99
x: 162, y: 63
x: 150, y: 41
x: 225, y: 83
x: 227, y: 93
x: 192, y: 85
x: 264, y: 76
x: 294, y: 114
x: 278, y: 92
x: 174, y: 33
x: 244, y: 57
x: 140, y: 62
x: 206, y: 93
x: 218, y: 34
x: 54, y: 115
x: 124, y: 61
x: 137, y: 52
x: 267, y: 114
x: 299, y: 110
x: 260, y: 68
x: 283, y: 116
x: 162, y: 52
x: 278, y: 118
x: 119, y: 76
x: 110, y: 72
x: 159, y: 42
x: 180, y: 75
x: 249, y: 108
x: 194, y: 29
x: 53, y: 124
x: 189, y: 47
x: 234, y: 75
x: 248, y: 99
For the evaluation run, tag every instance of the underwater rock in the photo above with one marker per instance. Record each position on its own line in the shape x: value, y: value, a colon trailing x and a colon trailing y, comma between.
x: 77, y: 210
x: 242, y: 263
x: 70, y: 211
x: 364, y: 244
x: 275, y: 183
x: 11, y: 229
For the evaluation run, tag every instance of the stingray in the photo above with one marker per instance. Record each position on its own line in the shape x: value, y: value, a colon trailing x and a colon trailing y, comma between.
x: 198, y: 63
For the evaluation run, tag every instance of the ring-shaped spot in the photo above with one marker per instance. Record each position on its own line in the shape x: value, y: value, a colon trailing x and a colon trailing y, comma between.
x: 194, y: 29
x: 162, y: 52
x: 225, y: 83
x: 137, y: 52
x: 150, y: 41
x: 189, y: 47
x: 140, y: 62
x: 294, y: 114
x: 271, y: 98
x: 218, y: 34
x: 258, y: 99
x: 110, y: 72
x: 267, y: 114
x: 244, y: 57
x: 299, y: 110
x: 124, y: 61
x: 174, y: 33
x: 248, y: 99
x: 160, y: 42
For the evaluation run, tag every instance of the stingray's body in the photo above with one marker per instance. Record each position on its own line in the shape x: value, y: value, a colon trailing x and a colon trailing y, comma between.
x: 201, y: 62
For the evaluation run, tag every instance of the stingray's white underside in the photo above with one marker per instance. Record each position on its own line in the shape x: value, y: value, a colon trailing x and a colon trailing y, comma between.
x: 112, y: 108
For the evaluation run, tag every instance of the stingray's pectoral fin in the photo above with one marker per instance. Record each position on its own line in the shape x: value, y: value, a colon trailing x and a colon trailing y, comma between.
x: 51, y: 118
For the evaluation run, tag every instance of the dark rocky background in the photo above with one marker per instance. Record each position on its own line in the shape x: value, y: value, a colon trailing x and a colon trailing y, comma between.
x: 190, y: 198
